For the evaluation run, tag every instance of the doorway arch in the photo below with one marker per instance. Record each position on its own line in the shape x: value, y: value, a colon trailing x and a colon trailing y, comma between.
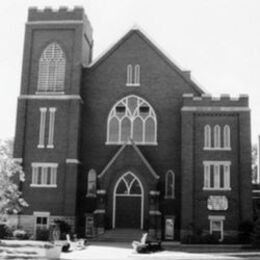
x: 128, y: 202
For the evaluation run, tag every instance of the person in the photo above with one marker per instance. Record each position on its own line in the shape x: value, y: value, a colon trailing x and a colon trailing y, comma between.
x: 141, y: 243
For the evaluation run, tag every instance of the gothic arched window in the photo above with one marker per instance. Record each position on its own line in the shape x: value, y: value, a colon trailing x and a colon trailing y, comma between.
x: 217, y: 136
x: 132, y: 118
x: 52, y: 65
x: 170, y: 185
x: 226, y: 136
x: 92, y: 183
x: 207, y: 136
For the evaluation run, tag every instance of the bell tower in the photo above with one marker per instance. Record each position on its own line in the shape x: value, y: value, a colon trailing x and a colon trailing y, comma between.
x: 57, y: 45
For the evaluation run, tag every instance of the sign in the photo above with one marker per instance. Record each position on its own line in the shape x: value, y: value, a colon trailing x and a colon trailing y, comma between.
x: 217, y: 203
x: 89, y: 225
x: 169, y: 228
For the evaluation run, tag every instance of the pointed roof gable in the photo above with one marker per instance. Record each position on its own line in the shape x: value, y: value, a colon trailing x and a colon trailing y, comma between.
x: 166, y: 57
x: 140, y: 154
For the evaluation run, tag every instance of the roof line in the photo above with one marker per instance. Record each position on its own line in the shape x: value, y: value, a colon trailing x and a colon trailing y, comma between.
x: 148, y: 165
x: 112, y: 160
x: 155, y: 175
x: 160, y: 51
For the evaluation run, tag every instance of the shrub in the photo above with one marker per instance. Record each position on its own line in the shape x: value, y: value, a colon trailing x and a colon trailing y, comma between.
x: 43, y: 235
x: 209, y: 239
x: 256, y: 234
x: 5, y: 231
x: 20, y: 234
x: 245, y: 232
x: 230, y: 240
x: 64, y: 227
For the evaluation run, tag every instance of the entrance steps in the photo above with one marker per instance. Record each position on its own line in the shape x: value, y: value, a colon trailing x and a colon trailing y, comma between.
x: 120, y: 235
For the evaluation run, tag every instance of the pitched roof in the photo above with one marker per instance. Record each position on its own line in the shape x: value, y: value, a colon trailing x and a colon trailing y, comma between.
x: 166, y: 57
x: 138, y: 151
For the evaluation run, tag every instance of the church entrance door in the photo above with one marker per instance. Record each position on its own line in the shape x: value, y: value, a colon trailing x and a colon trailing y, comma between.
x: 128, y: 202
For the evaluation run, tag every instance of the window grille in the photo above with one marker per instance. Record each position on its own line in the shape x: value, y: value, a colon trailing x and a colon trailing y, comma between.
x: 217, y: 175
x: 51, y: 73
x: 132, y: 118
x: 44, y: 175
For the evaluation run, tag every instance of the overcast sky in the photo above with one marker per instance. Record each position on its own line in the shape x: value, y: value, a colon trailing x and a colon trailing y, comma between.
x: 218, y: 40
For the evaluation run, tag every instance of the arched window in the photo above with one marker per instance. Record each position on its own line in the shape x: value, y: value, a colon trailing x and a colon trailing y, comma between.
x: 226, y: 136
x: 170, y: 185
x: 207, y: 136
x: 52, y: 65
x: 217, y: 136
x: 132, y: 118
x: 92, y: 183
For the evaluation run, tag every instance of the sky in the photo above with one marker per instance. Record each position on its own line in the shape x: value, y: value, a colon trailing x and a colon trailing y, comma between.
x: 218, y: 40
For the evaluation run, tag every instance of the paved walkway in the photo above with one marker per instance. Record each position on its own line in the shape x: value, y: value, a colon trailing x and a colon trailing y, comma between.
x: 124, y: 251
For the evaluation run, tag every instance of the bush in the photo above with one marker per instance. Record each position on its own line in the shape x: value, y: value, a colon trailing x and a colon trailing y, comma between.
x: 64, y: 227
x: 256, y: 234
x: 21, y: 234
x: 5, y: 231
x: 209, y: 239
x: 43, y: 235
x: 245, y: 232
x: 230, y: 240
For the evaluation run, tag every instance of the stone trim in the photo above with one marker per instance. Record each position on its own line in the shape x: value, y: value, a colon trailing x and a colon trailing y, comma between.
x: 214, y: 109
x: 154, y: 192
x: 155, y: 212
x: 101, y: 191
x: 18, y: 160
x: 70, y: 160
x: 100, y: 211
x: 51, y: 97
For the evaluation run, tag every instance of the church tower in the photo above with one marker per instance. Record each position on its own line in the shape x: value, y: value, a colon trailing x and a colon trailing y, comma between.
x: 57, y: 45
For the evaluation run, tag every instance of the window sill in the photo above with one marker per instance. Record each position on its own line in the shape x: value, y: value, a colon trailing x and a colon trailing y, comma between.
x: 217, y: 149
x: 216, y: 189
x: 91, y: 196
x: 169, y: 198
x: 129, y: 143
x: 133, y: 85
x: 49, y: 93
x: 50, y: 146
x: 43, y: 186
x: 40, y: 146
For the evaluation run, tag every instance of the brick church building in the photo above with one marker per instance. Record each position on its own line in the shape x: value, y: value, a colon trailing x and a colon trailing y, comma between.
x: 127, y: 140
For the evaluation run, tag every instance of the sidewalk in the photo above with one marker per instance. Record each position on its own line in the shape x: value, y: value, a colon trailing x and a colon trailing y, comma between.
x: 101, y: 250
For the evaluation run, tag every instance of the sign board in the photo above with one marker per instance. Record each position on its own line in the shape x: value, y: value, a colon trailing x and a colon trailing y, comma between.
x: 217, y: 203
x: 169, y: 228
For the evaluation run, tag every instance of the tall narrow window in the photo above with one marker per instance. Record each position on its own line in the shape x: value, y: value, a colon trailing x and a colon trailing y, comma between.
x: 217, y: 136
x: 129, y: 75
x: 92, y: 185
x: 137, y: 75
x: 132, y: 118
x: 226, y: 137
x: 207, y: 136
x: 52, y: 65
x: 170, y: 185
x: 51, y: 127
x: 43, y: 111
x: 133, y: 75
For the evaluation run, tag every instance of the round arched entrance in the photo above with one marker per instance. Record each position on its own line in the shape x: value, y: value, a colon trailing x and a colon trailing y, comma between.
x: 128, y: 202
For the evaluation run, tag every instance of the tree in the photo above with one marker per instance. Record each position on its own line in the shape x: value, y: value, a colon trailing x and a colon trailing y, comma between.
x: 11, y: 174
x: 255, y: 178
